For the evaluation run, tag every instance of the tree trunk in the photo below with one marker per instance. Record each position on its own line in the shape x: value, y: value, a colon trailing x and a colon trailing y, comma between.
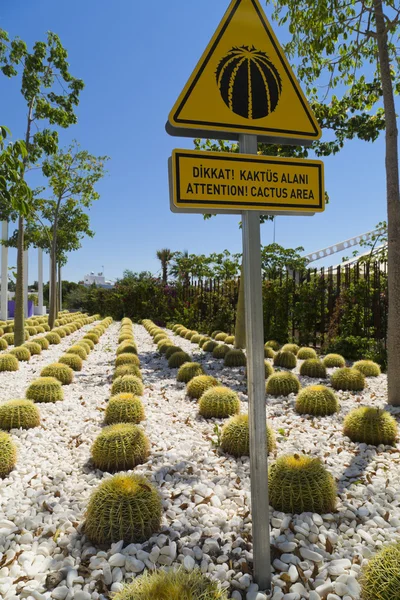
x: 19, y: 320
x: 240, y: 327
x: 59, y: 295
x: 165, y: 272
x: 393, y: 208
x: 53, y: 282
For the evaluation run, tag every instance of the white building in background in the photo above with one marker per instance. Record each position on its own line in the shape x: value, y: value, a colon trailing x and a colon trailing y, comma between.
x: 98, y: 280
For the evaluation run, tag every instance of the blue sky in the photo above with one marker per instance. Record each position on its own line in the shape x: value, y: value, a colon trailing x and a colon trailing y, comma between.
x: 135, y: 58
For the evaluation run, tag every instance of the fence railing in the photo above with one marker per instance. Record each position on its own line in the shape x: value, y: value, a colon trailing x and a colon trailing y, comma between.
x: 308, y: 306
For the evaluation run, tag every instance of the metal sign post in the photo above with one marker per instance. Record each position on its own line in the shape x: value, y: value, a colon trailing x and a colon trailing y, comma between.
x: 256, y: 385
x: 244, y: 87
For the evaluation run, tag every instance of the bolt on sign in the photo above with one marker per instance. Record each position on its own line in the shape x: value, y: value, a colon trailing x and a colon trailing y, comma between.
x: 236, y: 182
x: 243, y: 84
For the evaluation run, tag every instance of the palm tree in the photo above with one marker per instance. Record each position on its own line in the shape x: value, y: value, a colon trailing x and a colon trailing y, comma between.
x: 165, y: 256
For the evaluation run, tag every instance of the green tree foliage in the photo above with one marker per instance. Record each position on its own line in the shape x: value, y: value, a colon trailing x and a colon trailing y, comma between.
x: 165, y: 256
x: 352, y: 47
x: 72, y: 176
x: 50, y: 94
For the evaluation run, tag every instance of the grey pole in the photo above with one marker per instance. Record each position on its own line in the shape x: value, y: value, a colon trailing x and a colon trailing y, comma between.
x: 40, y: 281
x: 26, y: 267
x: 4, y: 272
x: 256, y: 386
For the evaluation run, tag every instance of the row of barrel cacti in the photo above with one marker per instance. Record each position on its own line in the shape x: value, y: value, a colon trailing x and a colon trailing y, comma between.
x: 24, y: 413
x: 232, y: 357
x: 122, y: 444
x: 126, y: 506
x: 9, y: 360
x: 364, y: 425
x: 296, y: 483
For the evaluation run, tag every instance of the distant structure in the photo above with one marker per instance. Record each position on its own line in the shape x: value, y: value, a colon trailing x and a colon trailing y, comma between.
x: 348, y: 245
x: 98, y: 280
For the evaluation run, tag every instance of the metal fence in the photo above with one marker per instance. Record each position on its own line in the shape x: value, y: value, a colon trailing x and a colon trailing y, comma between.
x: 307, y: 307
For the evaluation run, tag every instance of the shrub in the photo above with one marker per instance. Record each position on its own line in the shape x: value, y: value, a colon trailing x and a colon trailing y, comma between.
x: 380, y: 578
x: 305, y: 353
x: 198, y: 385
x: 368, y: 368
x: 22, y: 354
x: 172, y: 585
x: 127, y: 348
x: 348, y: 379
x: 312, y: 367
x: 334, y: 360
x: 230, y: 339
x: 293, y: 348
x: 8, y: 362
x: 8, y: 454
x: 352, y: 347
x: 235, y: 436
x: 273, y: 344
x: 3, y: 344
x: 300, y: 484
x: 128, y: 369
x: 368, y: 425
x: 124, y: 408
x: 53, y: 338
x: 317, y: 400
x: 127, y: 359
x: 189, y: 370
x: 220, y: 351
x: 123, y: 507
x: 62, y: 372
x: 120, y: 447
x: 171, y: 350
x: 73, y: 361
x: 178, y: 359
x: 235, y: 358
x: 78, y: 350
x: 92, y: 336
x: 45, y: 389
x: 128, y: 384
x: 268, y: 352
x: 219, y: 402
x: 282, y: 384
x: 209, y: 346
x: 33, y: 348
x: 43, y: 343
x: 19, y: 413
x: 221, y: 337
x: 285, y: 359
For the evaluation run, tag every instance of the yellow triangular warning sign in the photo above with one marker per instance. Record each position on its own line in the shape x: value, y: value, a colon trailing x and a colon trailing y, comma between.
x: 243, y: 83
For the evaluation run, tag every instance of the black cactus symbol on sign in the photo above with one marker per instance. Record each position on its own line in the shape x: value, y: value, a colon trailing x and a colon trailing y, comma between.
x: 249, y: 82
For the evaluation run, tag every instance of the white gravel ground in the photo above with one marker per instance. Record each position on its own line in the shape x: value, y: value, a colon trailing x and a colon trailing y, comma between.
x: 206, y: 522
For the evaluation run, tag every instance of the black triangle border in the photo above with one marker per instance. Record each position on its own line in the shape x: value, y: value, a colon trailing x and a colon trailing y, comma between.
x: 248, y: 128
